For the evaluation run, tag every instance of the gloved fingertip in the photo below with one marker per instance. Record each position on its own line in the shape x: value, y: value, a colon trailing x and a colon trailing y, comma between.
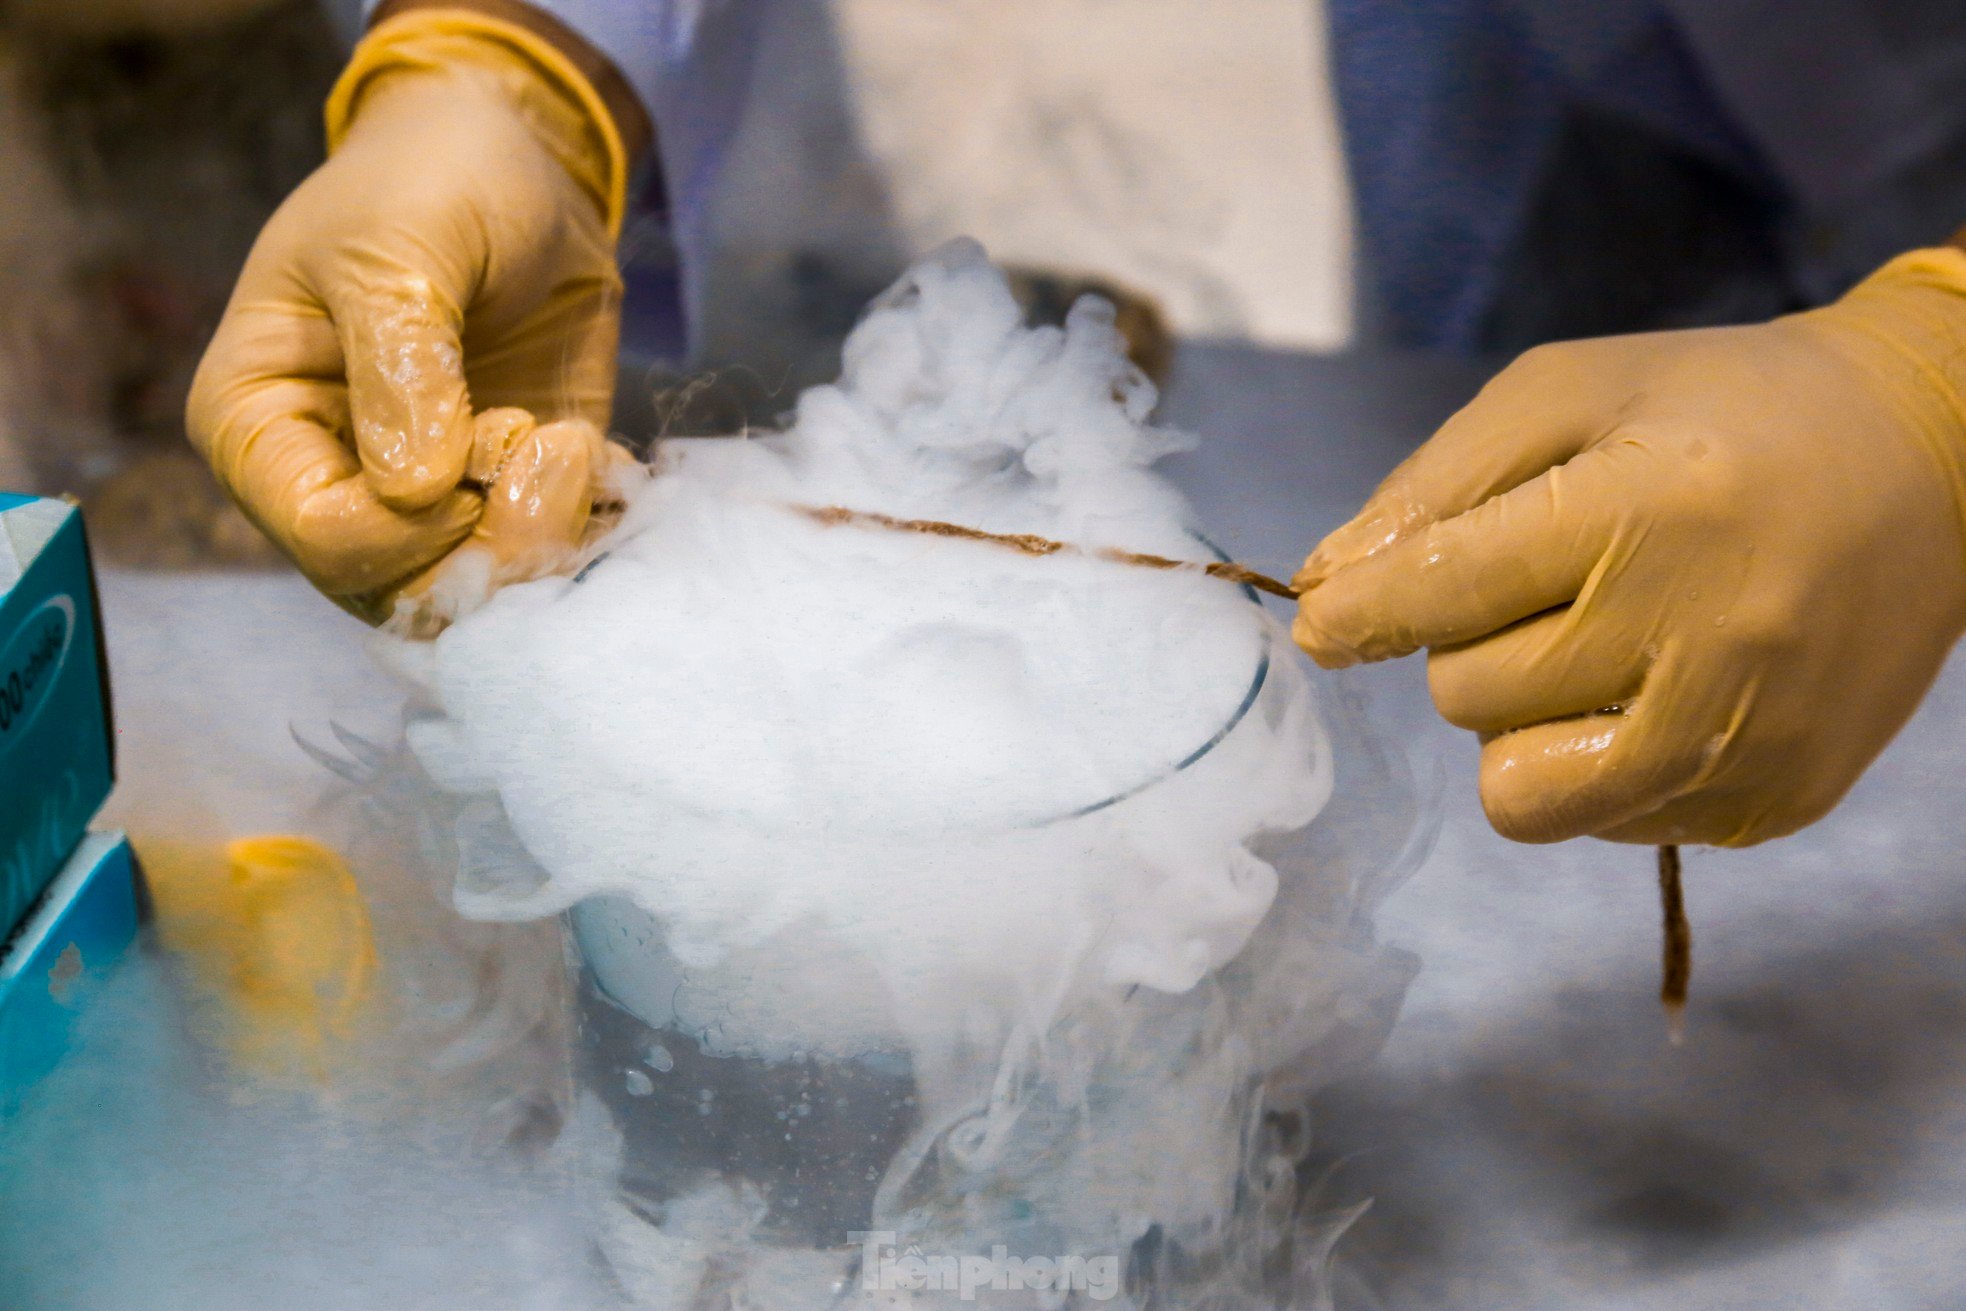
x: 1319, y: 644
x: 415, y: 439
x: 494, y: 433
x: 1323, y: 561
x: 1374, y: 528
x: 411, y: 488
x: 617, y: 471
x: 1532, y: 826
x: 1546, y: 782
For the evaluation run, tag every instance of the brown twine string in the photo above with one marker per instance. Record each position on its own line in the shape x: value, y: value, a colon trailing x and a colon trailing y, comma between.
x: 1677, y: 964
x: 1676, y: 969
x: 1032, y: 544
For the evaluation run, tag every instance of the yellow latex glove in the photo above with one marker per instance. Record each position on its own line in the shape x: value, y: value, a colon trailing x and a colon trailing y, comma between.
x: 541, y: 483
x: 457, y: 248
x: 1685, y: 584
x: 276, y: 937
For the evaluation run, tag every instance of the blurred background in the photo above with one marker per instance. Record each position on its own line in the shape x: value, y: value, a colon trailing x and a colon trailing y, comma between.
x: 142, y: 142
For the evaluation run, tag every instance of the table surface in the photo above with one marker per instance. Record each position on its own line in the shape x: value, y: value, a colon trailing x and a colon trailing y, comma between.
x: 1529, y: 1137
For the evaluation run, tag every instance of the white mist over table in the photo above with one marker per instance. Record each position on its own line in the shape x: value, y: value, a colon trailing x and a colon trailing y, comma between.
x: 1030, y: 829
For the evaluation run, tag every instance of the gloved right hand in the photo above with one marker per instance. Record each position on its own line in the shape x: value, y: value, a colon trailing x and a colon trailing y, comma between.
x: 456, y: 249
x: 1686, y: 585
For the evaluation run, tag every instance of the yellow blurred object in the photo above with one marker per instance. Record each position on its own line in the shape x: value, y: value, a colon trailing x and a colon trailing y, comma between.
x: 455, y: 251
x: 276, y: 936
x: 1686, y: 585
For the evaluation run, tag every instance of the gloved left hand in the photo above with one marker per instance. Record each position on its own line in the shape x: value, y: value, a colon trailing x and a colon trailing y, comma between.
x: 456, y: 251
x: 1685, y: 584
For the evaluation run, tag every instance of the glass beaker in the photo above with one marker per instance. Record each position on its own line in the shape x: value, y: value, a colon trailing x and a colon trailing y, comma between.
x: 1151, y: 1132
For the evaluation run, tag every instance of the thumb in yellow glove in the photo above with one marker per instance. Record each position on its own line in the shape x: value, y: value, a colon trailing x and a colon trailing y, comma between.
x: 540, y: 481
x: 457, y: 248
x: 1686, y: 585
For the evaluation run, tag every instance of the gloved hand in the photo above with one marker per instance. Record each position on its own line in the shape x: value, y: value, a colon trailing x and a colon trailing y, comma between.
x: 1685, y: 584
x: 456, y: 249
x: 540, y: 481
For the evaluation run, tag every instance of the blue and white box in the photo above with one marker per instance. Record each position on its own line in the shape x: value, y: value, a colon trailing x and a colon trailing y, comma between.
x: 75, y: 935
x: 57, y: 745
